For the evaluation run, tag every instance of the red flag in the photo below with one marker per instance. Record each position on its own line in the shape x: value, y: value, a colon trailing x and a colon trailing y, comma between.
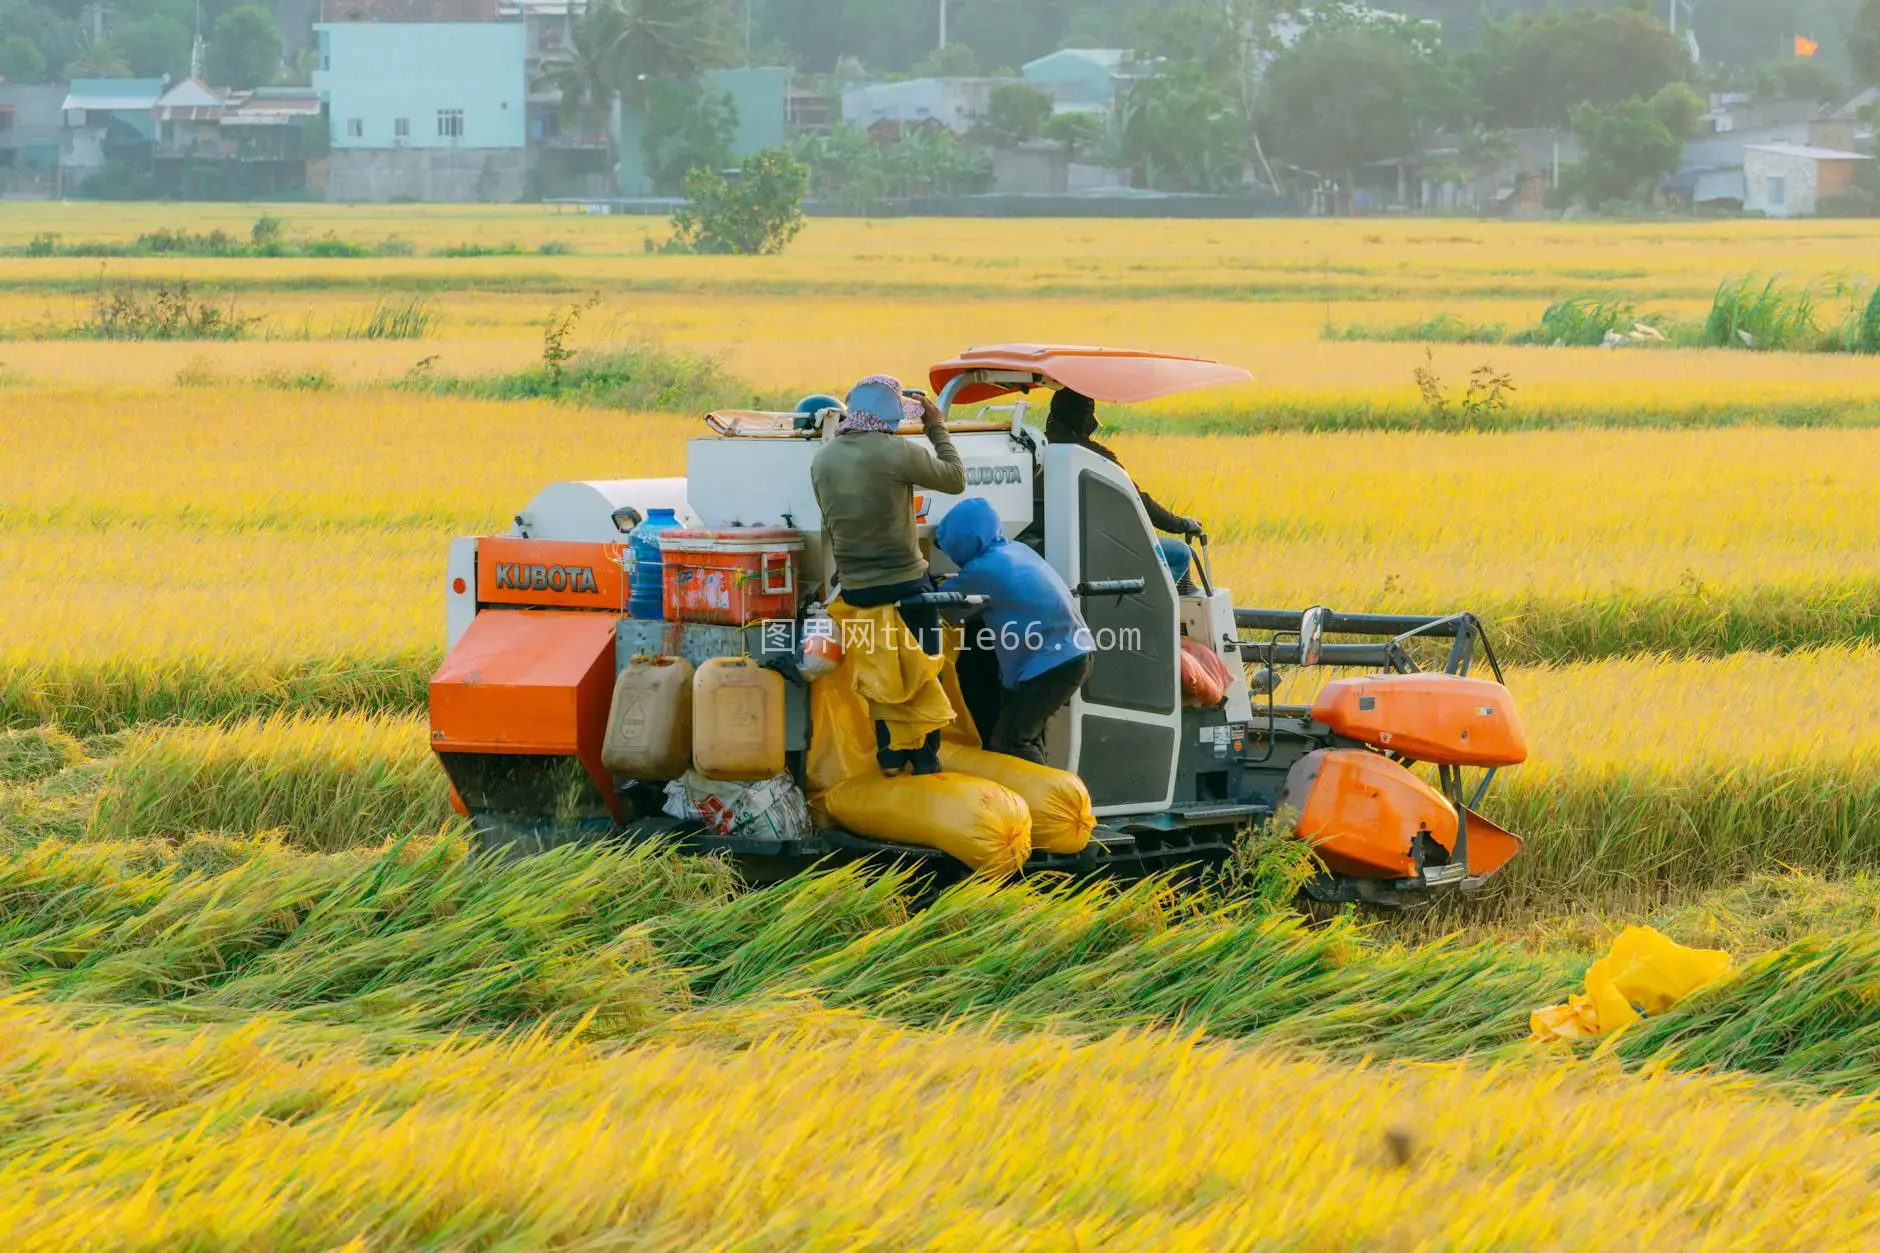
x: 1806, y: 47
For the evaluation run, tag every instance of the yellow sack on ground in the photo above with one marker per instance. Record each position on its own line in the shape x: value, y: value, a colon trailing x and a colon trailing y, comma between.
x: 975, y: 820
x: 1644, y: 974
x: 899, y: 683
x: 1061, y: 820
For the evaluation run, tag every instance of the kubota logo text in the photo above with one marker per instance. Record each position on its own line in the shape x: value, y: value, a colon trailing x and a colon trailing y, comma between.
x: 513, y: 576
x: 992, y: 475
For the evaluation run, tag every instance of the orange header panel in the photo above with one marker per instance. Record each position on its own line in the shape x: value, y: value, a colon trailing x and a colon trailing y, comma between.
x: 1363, y: 809
x: 1113, y: 375
x: 565, y: 574
x: 1441, y: 718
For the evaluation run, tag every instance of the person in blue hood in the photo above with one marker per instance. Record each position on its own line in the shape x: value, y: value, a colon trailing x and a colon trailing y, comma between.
x: 1031, y: 623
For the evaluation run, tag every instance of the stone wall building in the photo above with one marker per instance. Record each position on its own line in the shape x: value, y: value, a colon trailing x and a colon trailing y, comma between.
x: 1789, y: 180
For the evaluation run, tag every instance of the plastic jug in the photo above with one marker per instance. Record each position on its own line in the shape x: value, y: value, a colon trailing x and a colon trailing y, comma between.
x: 647, y: 592
x: 649, y: 725
x: 737, y: 720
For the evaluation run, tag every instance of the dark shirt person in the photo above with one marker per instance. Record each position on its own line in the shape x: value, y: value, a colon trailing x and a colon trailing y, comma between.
x: 1072, y: 419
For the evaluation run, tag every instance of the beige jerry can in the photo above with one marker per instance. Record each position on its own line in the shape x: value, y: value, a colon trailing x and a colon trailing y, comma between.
x: 649, y: 726
x: 737, y: 720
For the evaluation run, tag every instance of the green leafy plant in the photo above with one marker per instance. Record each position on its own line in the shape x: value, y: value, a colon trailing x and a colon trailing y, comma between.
x: 556, y: 349
x: 166, y: 311
x: 759, y: 211
x: 1488, y: 393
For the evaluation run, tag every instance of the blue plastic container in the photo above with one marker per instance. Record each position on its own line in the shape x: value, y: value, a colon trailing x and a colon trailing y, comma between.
x: 647, y: 597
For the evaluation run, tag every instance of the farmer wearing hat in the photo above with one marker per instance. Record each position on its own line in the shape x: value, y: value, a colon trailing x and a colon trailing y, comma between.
x: 865, y: 479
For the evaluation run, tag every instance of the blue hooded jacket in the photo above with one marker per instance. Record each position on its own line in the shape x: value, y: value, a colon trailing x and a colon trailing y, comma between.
x: 1031, y: 621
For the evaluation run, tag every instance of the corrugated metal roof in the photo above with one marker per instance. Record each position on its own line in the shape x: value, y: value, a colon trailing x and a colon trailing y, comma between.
x: 408, y: 11
x: 112, y: 93
x: 1813, y: 154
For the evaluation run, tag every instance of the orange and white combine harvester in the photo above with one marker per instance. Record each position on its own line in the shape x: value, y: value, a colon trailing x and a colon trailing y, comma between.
x: 1383, y: 772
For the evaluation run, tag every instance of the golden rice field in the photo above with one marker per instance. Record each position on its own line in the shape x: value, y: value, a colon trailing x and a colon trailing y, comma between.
x: 254, y: 992
x: 1036, y: 1144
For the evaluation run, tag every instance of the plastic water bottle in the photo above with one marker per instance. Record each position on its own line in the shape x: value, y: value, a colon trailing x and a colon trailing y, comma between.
x: 647, y: 595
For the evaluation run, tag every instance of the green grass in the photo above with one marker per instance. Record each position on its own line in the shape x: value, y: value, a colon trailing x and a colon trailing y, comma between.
x: 1441, y: 328
x: 1408, y: 414
x: 1770, y: 315
x: 1577, y: 321
x: 639, y: 378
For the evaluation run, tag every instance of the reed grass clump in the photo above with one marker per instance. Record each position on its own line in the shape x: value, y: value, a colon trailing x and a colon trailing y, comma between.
x: 412, y: 317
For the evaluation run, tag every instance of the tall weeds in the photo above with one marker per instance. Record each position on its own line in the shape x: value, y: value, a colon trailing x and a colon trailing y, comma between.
x: 410, y: 318
x: 1773, y: 317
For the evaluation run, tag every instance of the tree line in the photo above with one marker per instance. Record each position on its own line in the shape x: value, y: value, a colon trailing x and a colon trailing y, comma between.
x: 54, y: 40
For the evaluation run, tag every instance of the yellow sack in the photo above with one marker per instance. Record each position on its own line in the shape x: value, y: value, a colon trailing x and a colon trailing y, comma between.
x: 841, y: 734
x: 975, y: 820
x: 1061, y: 820
x: 899, y: 682
x: 1644, y: 974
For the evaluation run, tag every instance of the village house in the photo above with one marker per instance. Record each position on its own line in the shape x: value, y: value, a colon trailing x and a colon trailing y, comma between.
x: 1789, y: 180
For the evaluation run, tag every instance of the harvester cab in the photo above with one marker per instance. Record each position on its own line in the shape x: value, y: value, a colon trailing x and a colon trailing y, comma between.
x: 1382, y: 769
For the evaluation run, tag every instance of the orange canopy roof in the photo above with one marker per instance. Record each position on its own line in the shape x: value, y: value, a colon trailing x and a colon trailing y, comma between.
x: 1115, y: 375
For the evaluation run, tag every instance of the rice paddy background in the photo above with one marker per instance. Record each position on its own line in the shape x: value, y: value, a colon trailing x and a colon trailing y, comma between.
x: 254, y: 990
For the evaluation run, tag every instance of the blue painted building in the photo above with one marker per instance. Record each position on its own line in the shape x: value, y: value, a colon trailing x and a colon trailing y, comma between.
x: 424, y: 110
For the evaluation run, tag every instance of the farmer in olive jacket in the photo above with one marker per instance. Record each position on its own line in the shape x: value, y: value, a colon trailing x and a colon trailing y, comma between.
x: 864, y: 480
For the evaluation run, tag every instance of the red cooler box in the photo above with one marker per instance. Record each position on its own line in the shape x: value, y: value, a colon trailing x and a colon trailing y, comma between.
x: 731, y: 577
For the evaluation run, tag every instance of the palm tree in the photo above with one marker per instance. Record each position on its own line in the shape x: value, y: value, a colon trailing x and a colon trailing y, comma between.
x: 618, y: 45
x: 97, y: 58
x: 672, y: 38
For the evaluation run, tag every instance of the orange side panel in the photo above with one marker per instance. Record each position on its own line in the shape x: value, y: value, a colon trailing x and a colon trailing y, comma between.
x: 1359, y: 811
x: 1439, y: 718
x: 528, y: 682
x: 1490, y: 847
x: 566, y: 574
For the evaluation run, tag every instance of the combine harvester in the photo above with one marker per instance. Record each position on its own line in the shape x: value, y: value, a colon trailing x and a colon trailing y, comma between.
x: 541, y: 623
